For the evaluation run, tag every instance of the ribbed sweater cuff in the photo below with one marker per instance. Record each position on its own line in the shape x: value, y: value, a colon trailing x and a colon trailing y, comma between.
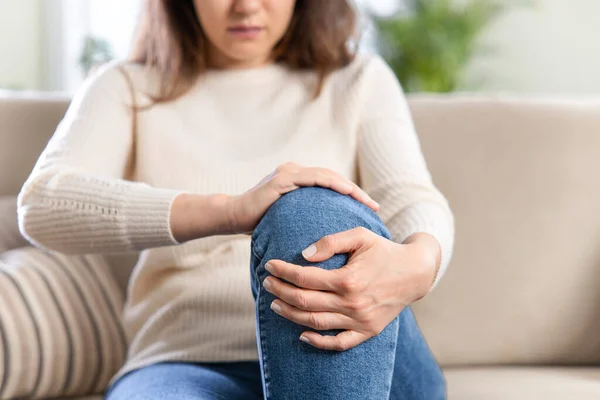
x: 147, y: 215
x: 77, y: 214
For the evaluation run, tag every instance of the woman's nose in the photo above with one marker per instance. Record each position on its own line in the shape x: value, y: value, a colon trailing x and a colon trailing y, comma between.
x: 247, y: 7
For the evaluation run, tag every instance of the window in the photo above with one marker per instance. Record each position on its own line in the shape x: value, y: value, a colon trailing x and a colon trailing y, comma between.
x: 67, y: 24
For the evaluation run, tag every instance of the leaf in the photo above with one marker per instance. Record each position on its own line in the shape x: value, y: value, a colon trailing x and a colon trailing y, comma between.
x: 429, y: 47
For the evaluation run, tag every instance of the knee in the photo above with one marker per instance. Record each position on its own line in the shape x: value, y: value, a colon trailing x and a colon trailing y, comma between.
x: 316, y: 206
x: 303, y: 216
x: 308, y: 199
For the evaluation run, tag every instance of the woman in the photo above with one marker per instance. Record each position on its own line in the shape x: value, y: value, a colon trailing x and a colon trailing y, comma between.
x: 224, y: 93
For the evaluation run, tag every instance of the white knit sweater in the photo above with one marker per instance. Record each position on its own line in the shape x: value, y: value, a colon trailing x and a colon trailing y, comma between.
x: 193, y: 301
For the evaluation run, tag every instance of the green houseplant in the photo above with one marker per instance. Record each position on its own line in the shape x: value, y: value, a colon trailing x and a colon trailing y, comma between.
x: 429, y: 44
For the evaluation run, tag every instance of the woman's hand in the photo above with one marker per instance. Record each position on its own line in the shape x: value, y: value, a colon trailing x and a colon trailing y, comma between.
x: 363, y: 297
x: 246, y: 210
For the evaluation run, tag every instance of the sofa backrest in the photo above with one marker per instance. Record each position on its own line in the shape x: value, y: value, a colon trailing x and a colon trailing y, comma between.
x: 27, y: 120
x: 521, y: 176
x: 522, y: 179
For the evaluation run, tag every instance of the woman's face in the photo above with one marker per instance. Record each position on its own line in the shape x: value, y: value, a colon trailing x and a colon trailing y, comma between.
x: 242, y: 33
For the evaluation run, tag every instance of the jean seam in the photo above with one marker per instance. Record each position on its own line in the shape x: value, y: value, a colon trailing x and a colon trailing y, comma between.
x: 217, y: 395
x: 394, y: 354
x: 261, y: 336
x: 253, y: 249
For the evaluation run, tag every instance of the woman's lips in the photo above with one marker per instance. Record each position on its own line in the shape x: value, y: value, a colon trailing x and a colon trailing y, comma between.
x: 245, y: 32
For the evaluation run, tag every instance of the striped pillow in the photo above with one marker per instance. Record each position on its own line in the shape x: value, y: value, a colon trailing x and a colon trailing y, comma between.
x: 60, y: 327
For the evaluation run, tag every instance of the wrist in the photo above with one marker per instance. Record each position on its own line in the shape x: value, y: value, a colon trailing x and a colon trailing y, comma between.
x: 219, y: 206
x: 195, y: 216
x: 429, y: 254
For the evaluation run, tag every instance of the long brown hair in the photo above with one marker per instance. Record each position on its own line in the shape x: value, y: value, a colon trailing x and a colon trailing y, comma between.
x: 171, y: 41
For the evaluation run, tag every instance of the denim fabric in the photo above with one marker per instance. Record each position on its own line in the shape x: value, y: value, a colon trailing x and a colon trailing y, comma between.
x: 190, y: 381
x: 396, y: 364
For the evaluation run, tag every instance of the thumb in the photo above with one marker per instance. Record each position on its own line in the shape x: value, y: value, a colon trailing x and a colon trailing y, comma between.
x: 337, y: 243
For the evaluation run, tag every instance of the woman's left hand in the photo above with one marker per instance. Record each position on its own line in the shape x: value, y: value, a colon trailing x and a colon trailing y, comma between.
x: 380, y: 279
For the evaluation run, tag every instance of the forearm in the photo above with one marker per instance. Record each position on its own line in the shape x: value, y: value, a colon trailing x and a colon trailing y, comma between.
x: 78, y: 213
x: 195, y: 216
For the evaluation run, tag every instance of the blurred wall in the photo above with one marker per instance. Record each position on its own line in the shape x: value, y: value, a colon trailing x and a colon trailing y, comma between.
x: 41, y: 40
x: 553, y: 47
x: 115, y: 20
x: 20, y: 44
x: 68, y: 22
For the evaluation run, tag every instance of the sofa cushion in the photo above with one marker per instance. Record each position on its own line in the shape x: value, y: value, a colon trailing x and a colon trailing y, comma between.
x: 60, y: 325
x: 523, y: 383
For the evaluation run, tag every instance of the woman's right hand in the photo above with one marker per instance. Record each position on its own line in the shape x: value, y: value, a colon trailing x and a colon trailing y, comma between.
x: 246, y: 210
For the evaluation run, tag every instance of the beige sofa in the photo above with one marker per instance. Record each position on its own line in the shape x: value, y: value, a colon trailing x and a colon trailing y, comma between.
x: 518, y: 314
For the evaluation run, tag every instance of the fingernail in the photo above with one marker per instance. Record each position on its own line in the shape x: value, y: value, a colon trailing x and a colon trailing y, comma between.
x: 310, y: 251
x: 348, y: 187
x: 275, y: 307
x: 268, y: 267
x: 267, y: 284
x: 304, y: 339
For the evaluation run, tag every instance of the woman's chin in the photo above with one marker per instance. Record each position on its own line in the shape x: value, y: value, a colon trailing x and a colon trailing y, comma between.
x: 247, y: 59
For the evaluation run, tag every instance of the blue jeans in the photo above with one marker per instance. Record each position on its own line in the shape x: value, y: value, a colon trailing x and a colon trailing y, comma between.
x: 396, y: 364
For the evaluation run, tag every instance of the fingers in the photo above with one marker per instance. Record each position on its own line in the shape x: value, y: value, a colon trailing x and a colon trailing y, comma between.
x: 337, y: 243
x: 342, y: 185
x: 295, y: 176
x: 340, y: 342
x: 316, y: 320
x: 305, y: 277
x: 303, y: 299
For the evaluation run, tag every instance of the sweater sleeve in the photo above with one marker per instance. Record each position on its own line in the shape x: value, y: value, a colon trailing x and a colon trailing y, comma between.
x: 76, y: 199
x: 392, y: 167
